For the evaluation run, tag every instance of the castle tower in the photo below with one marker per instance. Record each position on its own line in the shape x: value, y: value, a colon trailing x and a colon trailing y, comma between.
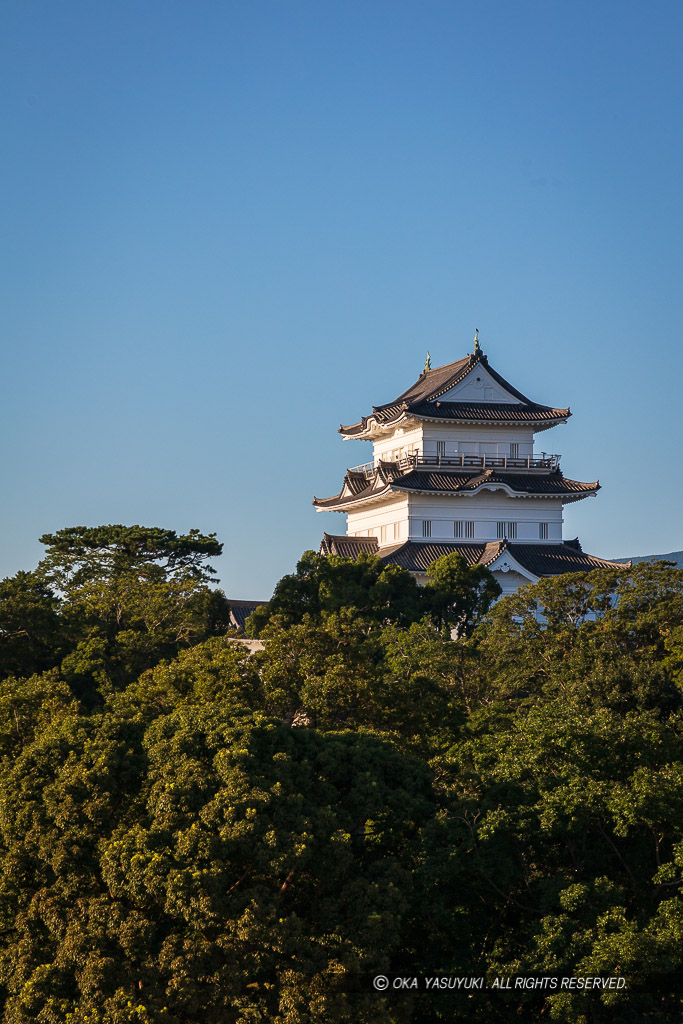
x: 454, y: 469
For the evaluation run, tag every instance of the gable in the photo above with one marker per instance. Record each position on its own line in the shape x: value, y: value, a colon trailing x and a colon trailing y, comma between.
x: 505, y: 563
x: 479, y: 386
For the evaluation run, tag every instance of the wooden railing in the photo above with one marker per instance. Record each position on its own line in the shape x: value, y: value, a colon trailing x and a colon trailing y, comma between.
x: 465, y: 461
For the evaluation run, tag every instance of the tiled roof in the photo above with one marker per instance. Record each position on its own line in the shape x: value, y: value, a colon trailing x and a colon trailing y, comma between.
x: 450, y: 483
x: 417, y: 556
x: 357, y: 482
x: 430, y: 382
x: 555, y: 559
x: 348, y: 547
x: 375, y: 486
x: 422, y: 399
x: 412, y: 555
x: 382, y: 481
x: 501, y: 412
x: 241, y: 610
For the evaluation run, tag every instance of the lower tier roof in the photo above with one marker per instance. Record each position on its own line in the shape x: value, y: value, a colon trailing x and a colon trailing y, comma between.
x: 361, y: 488
x: 417, y: 556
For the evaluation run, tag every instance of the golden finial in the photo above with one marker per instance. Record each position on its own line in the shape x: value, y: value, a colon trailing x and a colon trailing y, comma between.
x: 428, y: 363
x: 476, y: 340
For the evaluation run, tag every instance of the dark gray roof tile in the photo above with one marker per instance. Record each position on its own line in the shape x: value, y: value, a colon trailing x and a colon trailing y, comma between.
x: 416, y: 556
x: 422, y: 399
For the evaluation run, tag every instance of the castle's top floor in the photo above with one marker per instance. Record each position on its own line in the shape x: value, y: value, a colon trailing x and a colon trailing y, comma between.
x: 467, y: 392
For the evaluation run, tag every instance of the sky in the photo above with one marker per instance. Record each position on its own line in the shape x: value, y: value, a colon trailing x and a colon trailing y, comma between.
x: 229, y: 227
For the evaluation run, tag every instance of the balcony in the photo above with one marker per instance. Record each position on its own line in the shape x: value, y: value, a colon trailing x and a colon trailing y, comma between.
x: 515, y: 463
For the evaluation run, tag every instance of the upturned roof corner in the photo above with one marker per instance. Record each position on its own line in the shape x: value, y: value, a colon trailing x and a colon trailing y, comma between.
x: 422, y: 401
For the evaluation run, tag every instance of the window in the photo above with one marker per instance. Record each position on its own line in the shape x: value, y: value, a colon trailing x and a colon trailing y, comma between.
x: 508, y: 530
x: 396, y: 531
x: 514, y: 451
x: 543, y: 531
x: 500, y: 533
x: 426, y: 527
x: 382, y: 534
x: 440, y: 447
x: 512, y: 531
x: 461, y: 527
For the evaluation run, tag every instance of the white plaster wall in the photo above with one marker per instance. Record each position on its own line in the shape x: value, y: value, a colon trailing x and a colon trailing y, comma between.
x: 368, y: 522
x: 510, y: 582
x: 486, y: 510
x: 403, y: 516
x: 458, y: 439
x: 484, y: 531
x: 465, y: 432
x: 472, y: 445
x: 478, y: 386
x: 487, y: 504
x: 404, y: 441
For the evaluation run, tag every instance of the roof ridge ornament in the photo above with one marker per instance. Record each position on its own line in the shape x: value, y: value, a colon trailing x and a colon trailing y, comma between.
x: 428, y: 363
x: 477, y: 347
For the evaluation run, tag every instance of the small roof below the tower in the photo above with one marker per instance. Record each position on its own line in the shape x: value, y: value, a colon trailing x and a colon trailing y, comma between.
x: 416, y: 556
x: 467, y: 390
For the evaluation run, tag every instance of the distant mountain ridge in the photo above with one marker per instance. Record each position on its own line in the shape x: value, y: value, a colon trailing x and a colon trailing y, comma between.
x: 673, y: 556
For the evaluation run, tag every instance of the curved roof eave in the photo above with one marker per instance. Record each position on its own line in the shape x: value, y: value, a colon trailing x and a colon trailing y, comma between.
x: 431, y: 384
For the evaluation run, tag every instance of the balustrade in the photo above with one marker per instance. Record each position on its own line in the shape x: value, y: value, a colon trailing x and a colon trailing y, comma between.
x: 466, y: 461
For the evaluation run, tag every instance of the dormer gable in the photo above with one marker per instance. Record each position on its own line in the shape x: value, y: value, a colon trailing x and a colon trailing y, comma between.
x: 467, y: 390
x: 479, y: 385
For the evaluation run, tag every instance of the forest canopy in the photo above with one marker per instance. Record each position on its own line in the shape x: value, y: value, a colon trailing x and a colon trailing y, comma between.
x: 404, y: 781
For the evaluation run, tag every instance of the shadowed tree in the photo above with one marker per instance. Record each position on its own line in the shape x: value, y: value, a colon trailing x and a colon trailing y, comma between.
x: 204, y: 868
x: 31, y: 634
x: 131, y: 596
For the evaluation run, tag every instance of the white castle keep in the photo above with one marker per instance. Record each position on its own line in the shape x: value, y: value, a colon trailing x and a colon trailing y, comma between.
x: 454, y: 469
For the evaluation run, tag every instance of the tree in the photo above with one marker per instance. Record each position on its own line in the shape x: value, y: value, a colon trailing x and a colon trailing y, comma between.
x: 31, y: 634
x: 327, y: 585
x: 222, y: 837
x: 130, y: 597
x: 79, y: 554
x: 609, y: 633
x: 203, y: 868
x: 29, y: 706
x: 559, y: 841
x: 460, y: 594
x: 215, y: 671
x: 566, y: 821
x: 456, y: 595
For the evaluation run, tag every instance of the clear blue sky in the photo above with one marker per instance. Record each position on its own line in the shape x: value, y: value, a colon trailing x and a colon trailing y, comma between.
x: 229, y: 226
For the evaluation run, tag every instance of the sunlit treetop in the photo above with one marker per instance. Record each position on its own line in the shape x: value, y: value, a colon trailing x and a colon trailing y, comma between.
x: 79, y: 553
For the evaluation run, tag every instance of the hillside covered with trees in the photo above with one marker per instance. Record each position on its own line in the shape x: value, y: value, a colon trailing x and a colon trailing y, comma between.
x: 190, y: 833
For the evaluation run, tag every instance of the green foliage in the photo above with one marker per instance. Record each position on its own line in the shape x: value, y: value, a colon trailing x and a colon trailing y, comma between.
x: 326, y: 586
x: 123, y: 626
x: 202, y: 868
x: 31, y: 638
x: 80, y: 553
x: 108, y: 603
x: 28, y: 706
x: 456, y: 595
x: 460, y: 595
x: 345, y: 673
x: 217, y: 670
x: 404, y: 780
x: 340, y: 637
x: 608, y: 634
